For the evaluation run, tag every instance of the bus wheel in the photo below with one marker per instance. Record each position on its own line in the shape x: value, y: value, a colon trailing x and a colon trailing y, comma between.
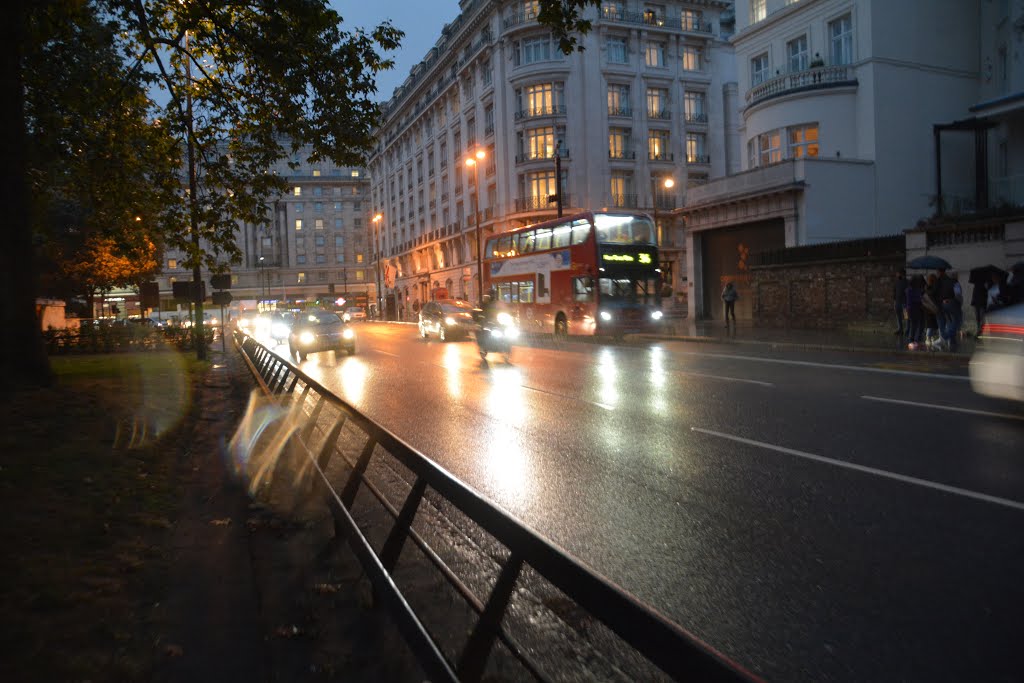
x: 561, y: 328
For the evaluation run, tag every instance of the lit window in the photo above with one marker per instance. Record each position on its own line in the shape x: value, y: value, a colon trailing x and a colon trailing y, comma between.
x: 360, y: 275
x: 618, y: 100
x: 803, y: 141
x: 301, y: 278
x: 693, y: 107
x: 657, y: 145
x: 695, y: 149
x: 691, y: 20
x: 691, y: 58
x: 355, y: 174
x: 298, y: 224
x: 769, y: 147
x: 618, y: 143
x: 359, y: 258
x: 172, y: 263
x: 654, y: 55
x: 297, y: 191
x: 657, y: 103
x: 539, y: 143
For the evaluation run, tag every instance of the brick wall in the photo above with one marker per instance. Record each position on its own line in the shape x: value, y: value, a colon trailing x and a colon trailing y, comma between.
x: 824, y: 294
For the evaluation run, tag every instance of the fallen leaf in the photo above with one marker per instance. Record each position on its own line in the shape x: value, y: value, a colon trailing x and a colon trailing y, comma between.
x: 221, y: 522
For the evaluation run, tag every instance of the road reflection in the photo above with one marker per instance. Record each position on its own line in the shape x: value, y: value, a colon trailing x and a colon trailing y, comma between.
x: 505, y: 463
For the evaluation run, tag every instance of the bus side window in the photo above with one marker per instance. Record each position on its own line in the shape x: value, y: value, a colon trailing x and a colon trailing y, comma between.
x: 583, y: 288
x: 492, y: 248
x: 580, y: 231
x: 526, y: 242
x: 542, y: 289
x: 543, y: 240
x: 561, y: 238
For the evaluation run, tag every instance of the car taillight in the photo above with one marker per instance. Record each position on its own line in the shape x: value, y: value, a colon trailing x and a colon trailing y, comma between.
x: 1002, y: 330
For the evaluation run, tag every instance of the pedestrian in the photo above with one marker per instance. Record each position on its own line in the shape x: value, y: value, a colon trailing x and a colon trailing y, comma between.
x: 915, y: 311
x: 951, y: 302
x: 996, y: 294
x: 730, y: 296
x: 899, y: 300
x: 930, y: 303
x: 979, y: 301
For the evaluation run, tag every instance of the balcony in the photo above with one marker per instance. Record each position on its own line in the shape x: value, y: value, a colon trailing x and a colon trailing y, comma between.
x: 623, y: 201
x: 524, y: 157
x: 665, y: 203
x: 659, y: 156
x: 519, y: 18
x: 698, y: 118
x: 697, y: 158
x: 540, y: 203
x: 817, y: 78
x: 489, y: 129
x: 663, y: 114
x: 535, y: 112
x: 624, y: 112
x: 621, y: 154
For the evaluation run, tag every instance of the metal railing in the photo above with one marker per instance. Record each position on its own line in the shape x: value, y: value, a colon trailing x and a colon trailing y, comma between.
x: 808, y: 79
x: 318, y: 417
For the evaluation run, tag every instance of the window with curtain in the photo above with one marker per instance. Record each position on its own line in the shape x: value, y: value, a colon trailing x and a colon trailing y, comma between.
x: 840, y: 33
x: 796, y: 51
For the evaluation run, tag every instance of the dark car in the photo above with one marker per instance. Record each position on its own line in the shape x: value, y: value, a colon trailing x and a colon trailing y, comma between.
x: 448, y: 319
x: 315, y: 331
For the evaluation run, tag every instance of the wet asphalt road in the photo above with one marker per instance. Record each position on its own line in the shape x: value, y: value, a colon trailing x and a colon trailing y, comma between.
x: 813, y: 516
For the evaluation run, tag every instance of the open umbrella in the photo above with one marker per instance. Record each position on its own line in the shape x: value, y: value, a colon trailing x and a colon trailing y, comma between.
x: 930, y: 263
x: 983, y: 274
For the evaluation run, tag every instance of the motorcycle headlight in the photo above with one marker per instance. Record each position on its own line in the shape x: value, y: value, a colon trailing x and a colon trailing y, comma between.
x: 348, y: 334
x: 512, y: 332
x: 656, y: 315
x: 504, y: 319
x: 605, y: 315
x: 449, y: 321
x: 307, y: 337
x: 497, y: 333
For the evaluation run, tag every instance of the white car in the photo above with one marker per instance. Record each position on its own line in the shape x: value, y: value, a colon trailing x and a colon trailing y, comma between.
x: 997, y: 366
x: 355, y: 313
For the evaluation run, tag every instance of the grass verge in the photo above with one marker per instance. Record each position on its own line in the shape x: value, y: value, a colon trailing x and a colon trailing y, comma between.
x: 90, y: 490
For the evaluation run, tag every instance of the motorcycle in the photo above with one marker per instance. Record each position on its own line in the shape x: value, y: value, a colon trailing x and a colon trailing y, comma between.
x: 497, y: 336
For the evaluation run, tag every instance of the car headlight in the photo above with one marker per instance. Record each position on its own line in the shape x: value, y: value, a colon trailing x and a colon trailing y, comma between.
x: 605, y: 315
x: 348, y: 334
x: 497, y: 334
x: 306, y: 337
x: 346, y: 317
x: 504, y: 319
x: 656, y: 315
x: 512, y: 332
x: 449, y: 321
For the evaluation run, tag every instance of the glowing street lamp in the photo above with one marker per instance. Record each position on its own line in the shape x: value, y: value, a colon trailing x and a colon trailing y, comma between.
x: 474, y: 163
x: 376, y: 220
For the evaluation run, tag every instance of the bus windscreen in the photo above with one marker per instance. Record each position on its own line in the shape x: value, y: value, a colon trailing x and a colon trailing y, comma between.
x: 622, y: 229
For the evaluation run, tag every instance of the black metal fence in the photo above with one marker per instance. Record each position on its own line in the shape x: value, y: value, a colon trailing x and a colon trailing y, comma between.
x: 832, y: 251
x: 320, y: 417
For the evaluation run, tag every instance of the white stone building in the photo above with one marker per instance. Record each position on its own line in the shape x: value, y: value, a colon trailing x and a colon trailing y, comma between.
x: 838, y: 104
x: 647, y: 100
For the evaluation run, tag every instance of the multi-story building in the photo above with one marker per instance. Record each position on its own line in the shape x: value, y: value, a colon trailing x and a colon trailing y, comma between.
x: 316, y: 245
x: 842, y: 104
x: 648, y: 100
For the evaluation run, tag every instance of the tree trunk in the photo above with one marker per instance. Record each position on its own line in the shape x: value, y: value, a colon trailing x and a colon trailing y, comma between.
x: 24, y: 362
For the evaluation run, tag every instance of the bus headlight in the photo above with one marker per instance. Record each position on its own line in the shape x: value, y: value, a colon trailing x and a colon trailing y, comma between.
x: 656, y: 315
x: 504, y: 319
x: 449, y: 321
x: 605, y: 315
x: 348, y: 334
x: 306, y: 338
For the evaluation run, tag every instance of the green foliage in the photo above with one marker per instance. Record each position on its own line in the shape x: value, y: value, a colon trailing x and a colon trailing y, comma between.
x: 565, y: 19
x: 106, y: 337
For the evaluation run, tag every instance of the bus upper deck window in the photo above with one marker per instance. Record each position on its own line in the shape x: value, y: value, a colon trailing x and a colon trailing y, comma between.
x: 561, y: 236
x: 580, y: 232
x: 543, y: 240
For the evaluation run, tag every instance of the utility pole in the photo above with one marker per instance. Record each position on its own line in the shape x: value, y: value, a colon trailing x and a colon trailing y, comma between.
x: 198, y: 331
x: 558, y: 177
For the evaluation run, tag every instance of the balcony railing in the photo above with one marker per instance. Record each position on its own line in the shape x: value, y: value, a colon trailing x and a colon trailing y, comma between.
x: 810, y: 79
x: 620, y: 111
x: 686, y: 23
x: 698, y: 159
x: 534, y: 112
x: 489, y: 129
x: 695, y: 118
x: 659, y: 114
x: 665, y: 203
x: 621, y: 154
x: 624, y: 201
x: 540, y: 156
x: 517, y: 18
x: 540, y: 203
x: 659, y: 156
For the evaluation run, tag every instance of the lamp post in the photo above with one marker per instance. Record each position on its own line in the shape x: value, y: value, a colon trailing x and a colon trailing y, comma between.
x: 263, y: 290
x: 668, y: 184
x: 474, y: 162
x: 377, y: 218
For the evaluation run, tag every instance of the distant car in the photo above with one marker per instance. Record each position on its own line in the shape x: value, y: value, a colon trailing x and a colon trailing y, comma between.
x: 447, y: 318
x: 317, y: 330
x: 280, y: 325
x: 355, y: 313
x: 246, y: 322
x: 997, y: 366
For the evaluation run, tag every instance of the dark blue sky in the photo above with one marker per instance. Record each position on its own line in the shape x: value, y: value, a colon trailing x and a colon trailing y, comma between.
x: 422, y: 21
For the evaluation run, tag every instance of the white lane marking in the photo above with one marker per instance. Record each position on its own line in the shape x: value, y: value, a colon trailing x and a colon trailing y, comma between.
x: 916, y: 404
x: 869, y: 470
x: 724, y: 379
x: 834, y: 366
x: 386, y: 353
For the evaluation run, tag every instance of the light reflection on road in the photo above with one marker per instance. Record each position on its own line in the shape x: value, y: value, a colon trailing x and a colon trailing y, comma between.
x: 505, y: 464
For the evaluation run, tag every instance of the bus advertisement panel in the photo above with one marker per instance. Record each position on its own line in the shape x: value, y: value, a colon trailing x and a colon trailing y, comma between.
x: 587, y: 274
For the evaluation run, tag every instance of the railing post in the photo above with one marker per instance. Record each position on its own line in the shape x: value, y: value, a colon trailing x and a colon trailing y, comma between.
x: 478, y: 649
x: 396, y: 539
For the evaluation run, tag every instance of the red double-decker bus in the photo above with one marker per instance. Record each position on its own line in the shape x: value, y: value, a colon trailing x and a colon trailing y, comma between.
x: 591, y: 273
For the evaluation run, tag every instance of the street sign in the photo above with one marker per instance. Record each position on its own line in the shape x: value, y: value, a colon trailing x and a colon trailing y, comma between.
x: 149, y: 295
x: 183, y: 291
x: 221, y: 281
x: 221, y: 298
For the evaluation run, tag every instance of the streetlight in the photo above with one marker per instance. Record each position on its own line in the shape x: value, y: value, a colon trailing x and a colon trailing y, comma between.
x: 474, y: 162
x: 377, y: 218
x: 259, y: 274
x: 668, y: 184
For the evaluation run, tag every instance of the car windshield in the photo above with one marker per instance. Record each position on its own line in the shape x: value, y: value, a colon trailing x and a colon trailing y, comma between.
x: 319, y: 318
x: 456, y: 307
